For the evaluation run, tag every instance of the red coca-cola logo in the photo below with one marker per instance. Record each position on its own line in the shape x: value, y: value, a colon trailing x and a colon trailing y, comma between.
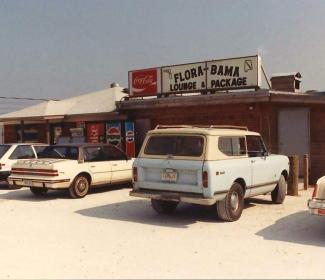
x: 144, y: 82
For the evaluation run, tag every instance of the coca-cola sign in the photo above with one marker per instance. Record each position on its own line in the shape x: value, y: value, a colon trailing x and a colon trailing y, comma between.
x: 144, y: 82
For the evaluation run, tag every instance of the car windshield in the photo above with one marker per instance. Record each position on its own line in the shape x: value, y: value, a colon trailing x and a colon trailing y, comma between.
x: 68, y: 152
x: 189, y: 146
x: 4, y: 149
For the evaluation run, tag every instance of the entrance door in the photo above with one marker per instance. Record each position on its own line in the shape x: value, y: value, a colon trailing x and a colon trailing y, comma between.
x: 293, y: 131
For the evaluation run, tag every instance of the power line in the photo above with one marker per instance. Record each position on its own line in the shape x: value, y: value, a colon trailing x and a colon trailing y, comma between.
x: 28, y: 98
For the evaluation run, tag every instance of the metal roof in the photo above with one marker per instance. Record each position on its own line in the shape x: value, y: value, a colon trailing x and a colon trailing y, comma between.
x: 103, y: 101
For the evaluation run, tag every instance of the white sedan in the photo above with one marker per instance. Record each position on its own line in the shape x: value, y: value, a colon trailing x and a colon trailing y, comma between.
x: 76, y: 167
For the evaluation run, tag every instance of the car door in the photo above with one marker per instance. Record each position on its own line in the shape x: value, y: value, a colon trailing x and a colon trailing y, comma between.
x: 262, y: 168
x: 120, y: 164
x: 98, y: 165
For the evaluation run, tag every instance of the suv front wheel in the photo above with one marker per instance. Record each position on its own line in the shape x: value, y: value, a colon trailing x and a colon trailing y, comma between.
x: 231, y: 207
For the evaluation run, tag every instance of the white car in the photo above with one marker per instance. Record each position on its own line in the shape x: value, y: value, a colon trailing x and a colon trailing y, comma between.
x: 10, y: 153
x: 316, y: 204
x: 76, y: 167
x: 207, y: 165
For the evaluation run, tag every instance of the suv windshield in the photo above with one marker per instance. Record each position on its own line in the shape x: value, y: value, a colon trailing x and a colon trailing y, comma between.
x: 68, y: 152
x: 188, y: 146
x: 4, y: 149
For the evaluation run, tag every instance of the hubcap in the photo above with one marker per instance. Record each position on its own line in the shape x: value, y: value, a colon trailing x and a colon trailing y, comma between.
x: 234, y: 201
x: 81, y: 186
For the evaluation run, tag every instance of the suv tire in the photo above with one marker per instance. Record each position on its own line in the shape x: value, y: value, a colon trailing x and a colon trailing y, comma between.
x: 79, y: 187
x: 38, y: 191
x: 164, y: 206
x: 279, y: 193
x: 231, y: 207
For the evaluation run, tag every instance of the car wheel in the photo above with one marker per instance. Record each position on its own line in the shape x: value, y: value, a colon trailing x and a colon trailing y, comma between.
x: 279, y: 193
x: 38, y: 191
x: 79, y: 187
x: 231, y: 207
x: 164, y: 206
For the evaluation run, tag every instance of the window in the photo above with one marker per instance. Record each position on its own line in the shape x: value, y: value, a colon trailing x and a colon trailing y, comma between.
x: 22, y: 152
x: 232, y: 146
x: 112, y: 153
x: 190, y: 146
x: 255, y: 146
x: 94, y: 154
x: 39, y: 149
x: 4, y: 149
x: 68, y: 152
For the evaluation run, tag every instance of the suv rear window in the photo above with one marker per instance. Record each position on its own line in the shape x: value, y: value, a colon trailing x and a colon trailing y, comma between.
x: 188, y: 146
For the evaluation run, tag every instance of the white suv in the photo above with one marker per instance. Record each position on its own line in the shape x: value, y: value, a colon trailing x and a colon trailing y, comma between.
x: 10, y: 153
x: 207, y: 165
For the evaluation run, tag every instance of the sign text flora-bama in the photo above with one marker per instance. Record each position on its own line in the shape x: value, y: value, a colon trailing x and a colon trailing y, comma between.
x: 226, y: 74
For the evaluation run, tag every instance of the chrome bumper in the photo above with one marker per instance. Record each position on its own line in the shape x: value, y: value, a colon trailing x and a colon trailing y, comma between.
x: 173, y: 196
x: 316, y: 206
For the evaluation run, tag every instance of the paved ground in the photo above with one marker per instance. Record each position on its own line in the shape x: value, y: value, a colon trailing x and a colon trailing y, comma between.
x: 109, y: 234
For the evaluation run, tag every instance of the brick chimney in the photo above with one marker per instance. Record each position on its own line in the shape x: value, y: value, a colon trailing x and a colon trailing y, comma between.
x: 286, y: 82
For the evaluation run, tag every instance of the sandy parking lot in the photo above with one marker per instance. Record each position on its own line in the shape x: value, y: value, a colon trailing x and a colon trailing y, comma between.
x: 109, y: 234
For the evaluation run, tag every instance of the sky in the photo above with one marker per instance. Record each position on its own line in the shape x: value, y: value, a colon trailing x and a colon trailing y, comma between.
x: 57, y: 49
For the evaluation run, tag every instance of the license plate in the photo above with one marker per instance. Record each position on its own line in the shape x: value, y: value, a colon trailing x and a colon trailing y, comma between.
x: 28, y: 182
x: 169, y: 175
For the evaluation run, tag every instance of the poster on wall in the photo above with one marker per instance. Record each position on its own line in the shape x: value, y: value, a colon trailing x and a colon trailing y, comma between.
x: 129, y: 139
x: 113, y: 133
x: 145, y: 82
x: 95, y: 133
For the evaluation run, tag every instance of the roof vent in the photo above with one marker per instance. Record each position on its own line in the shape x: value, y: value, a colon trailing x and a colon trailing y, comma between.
x: 286, y: 82
x: 113, y: 85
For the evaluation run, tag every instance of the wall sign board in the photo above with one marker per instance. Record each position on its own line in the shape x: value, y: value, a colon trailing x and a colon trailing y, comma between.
x: 214, y: 75
x: 145, y: 82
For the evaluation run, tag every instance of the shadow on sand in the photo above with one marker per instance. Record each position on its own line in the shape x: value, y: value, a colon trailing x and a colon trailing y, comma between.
x: 24, y: 194
x: 140, y: 211
x: 300, y: 227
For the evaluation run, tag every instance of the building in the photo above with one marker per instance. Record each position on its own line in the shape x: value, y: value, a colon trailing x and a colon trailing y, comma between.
x: 290, y: 122
x: 89, y: 117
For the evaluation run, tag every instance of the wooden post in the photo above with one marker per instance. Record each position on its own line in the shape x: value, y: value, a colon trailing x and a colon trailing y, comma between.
x: 22, y: 128
x: 306, y: 171
x: 293, y: 179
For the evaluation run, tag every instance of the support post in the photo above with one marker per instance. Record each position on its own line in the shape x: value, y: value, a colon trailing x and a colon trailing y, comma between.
x: 48, y: 132
x: 22, y: 131
x: 306, y: 171
x: 293, y: 180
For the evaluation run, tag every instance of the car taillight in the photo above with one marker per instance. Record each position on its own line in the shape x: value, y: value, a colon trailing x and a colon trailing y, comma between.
x: 315, y: 191
x: 135, y: 174
x: 205, y: 179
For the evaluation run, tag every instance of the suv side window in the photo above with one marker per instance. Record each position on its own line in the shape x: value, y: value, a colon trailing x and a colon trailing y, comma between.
x: 232, y: 146
x: 22, y: 152
x: 255, y: 146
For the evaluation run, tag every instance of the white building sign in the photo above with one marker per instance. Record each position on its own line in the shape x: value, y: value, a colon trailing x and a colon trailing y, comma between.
x: 215, y: 75
x: 234, y: 73
x: 186, y: 77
